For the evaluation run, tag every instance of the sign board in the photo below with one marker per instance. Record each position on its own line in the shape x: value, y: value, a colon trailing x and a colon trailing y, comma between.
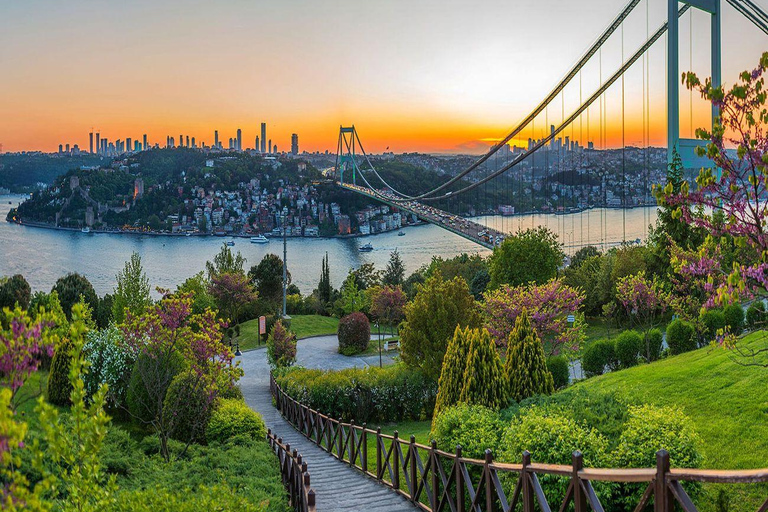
x: 262, y: 325
x: 571, y: 319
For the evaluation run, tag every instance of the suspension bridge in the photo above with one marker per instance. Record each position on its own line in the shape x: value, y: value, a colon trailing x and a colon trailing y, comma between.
x: 562, y: 170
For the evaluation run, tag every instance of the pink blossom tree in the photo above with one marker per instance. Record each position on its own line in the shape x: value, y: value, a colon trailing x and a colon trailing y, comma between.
x: 645, y: 300
x: 388, y: 305
x: 549, y: 305
x: 232, y: 292
x: 168, y: 332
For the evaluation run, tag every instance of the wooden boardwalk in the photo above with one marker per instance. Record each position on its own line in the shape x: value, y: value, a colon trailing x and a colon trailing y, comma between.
x: 338, y: 487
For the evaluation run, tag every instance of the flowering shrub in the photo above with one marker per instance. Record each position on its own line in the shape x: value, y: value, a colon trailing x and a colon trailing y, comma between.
x: 110, y: 363
x: 386, y: 394
x: 549, y: 305
x: 354, y: 334
x: 281, y: 346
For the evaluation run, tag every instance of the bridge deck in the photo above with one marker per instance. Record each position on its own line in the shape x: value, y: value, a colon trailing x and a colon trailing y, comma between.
x: 465, y: 228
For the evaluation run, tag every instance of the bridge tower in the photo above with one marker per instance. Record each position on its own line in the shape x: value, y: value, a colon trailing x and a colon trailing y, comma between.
x: 346, y: 152
x: 686, y: 147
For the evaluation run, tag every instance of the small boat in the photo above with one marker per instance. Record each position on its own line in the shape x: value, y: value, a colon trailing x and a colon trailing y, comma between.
x: 229, y: 243
x: 261, y: 239
x: 365, y: 248
x: 401, y: 233
x: 86, y: 229
x: 188, y: 234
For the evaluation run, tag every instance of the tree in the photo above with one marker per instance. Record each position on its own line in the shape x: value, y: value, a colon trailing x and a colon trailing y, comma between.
x: 267, y: 277
x: 394, y: 274
x: 533, y: 255
x: 366, y: 276
x: 281, y: 346
x: 484, y: 382
x: 388, y: 305
x: 231, y: 292
x: 644, y: 300
x: 167, y: 332
x: 354, y: 334
x: 70, y: 288
x: 431, y: 319
x: 452, y: 373
x: 103, y: 314
x: 551, y: 304
x: 15, y: 290
x: 352, y: 298
x: 324, y: 288
x: 583, y: 254
x: 132, y: 290
x: 526, y: 366
x: 225, y: 262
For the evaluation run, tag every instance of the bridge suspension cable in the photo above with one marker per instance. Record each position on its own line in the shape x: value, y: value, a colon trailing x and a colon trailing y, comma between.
x: 617, y: 22
x: 618, y: 74
x: 752, y: 12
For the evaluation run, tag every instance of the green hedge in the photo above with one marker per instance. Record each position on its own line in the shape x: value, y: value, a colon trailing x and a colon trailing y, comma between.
x: 598, y: 357
x: 393, y: 393
x: 473, y: 427
x: 233, y: 417
x: 560, y: 370
x: 627, y: 346
x: 681, y: 337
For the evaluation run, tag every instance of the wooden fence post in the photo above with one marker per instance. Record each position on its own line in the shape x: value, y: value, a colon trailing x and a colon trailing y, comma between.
x: 488, y: 481
x: 579, y: 499
x: 364, y: 448
x: 351, y: 447
x: 435, y: 479
x: 413, y: 468
x: 459, y: 480
x: 526, y: 480
x: 662, y: 498
x: 379, y: 469
x: 339, y: 440
x: 395, y: 446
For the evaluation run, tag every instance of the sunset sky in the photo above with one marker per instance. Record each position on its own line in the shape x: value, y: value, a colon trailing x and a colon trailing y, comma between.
x: 412, y: 75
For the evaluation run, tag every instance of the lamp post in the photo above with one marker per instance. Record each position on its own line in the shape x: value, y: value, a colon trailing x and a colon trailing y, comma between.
x: 378, y: 328
x: 285, y: 262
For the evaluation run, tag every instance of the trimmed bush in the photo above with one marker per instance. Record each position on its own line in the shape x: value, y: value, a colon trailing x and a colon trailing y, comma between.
x: 648, y: 430
x: 484, y: 379
x: 627, y: 346
x: 681, y: 336
x: 598, y: 356
x: 393, y: 393
x: 551, y: 437
x: 755, y: 314
x: 560, y: 370
x: 191, y: 418
x: 59, y: 387
x: 712, y: 321
x: 354, y: 334
x: 473, y: 427
x: 526, y: 366
x: 233, y: 417
x: 734, y: 318
x: 452, y: 374
x: 281, y: 346
x: 653, y: 342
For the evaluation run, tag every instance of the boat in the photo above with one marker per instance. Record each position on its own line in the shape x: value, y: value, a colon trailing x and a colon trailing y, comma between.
x: 188, y: 234
x: 401, y: 233
x: 86, y: 229
x: 229, y: 243
x: 261, y: 239
x: 365, y: 248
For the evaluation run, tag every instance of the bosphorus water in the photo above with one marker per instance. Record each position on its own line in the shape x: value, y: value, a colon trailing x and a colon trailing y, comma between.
x: 43, y: 255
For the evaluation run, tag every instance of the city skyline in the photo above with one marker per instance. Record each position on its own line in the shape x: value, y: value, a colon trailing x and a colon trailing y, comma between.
x: 421, y: 76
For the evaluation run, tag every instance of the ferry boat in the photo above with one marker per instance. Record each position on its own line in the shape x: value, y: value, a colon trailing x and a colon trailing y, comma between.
x: 229, y: 243
x: 86, y: 229
x: 366, y: 248
x: 261, y: 239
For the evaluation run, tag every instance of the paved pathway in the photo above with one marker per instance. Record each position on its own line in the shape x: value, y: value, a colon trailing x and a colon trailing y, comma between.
x: 322, y: 352
x: 338, y: 487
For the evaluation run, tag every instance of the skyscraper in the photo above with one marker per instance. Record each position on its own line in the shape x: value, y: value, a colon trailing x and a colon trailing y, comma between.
x: 263, y: 137
x: 181, y: 141
x: 98, y: 143
x: 295, y: 143
x: 256, y: 145
x: 146, y: 146
x: 552, y: 132
x: 128, y: 145
x: 216, y: 139
x: 239, y: 140
x: 187, y: 141
x: 90, y: 137
x: 270, y: 146
x: 194, y: 144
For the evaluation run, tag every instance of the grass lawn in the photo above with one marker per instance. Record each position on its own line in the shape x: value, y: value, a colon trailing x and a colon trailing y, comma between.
x: 727, y: 402
x: 303, y: 325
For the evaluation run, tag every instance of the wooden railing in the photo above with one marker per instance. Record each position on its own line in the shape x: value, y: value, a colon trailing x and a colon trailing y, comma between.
x: 295, y: 475
x: 435, y: 480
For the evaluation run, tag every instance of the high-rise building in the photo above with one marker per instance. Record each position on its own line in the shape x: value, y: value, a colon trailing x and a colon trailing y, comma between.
x: 274, y: 149
x: 128, y: 145
x: 256, y: 146
x: 187, y: 141
x: 239, y: 140
x: 90, y: 138
x: 263, y: 137
x: 552, y: 132
x: 61, y: 148
x: 146, y: 146
x: 216, y: 138
x: 181, y: 141
x: 98, y: 143
x: 295, y: 143
x: 194, y: 145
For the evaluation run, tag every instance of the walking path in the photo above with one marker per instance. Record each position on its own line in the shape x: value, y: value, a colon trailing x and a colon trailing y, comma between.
x: 322, y: 352
x: 338, y: 487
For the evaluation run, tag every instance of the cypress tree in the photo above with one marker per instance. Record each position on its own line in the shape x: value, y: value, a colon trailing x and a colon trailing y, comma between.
x: 526, y: 366
x: 484, y: 381
x: 59, y: 387
x: 452, y: 374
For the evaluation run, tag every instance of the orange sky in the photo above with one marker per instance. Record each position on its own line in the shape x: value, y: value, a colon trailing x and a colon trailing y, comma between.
x: 418, y: 75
